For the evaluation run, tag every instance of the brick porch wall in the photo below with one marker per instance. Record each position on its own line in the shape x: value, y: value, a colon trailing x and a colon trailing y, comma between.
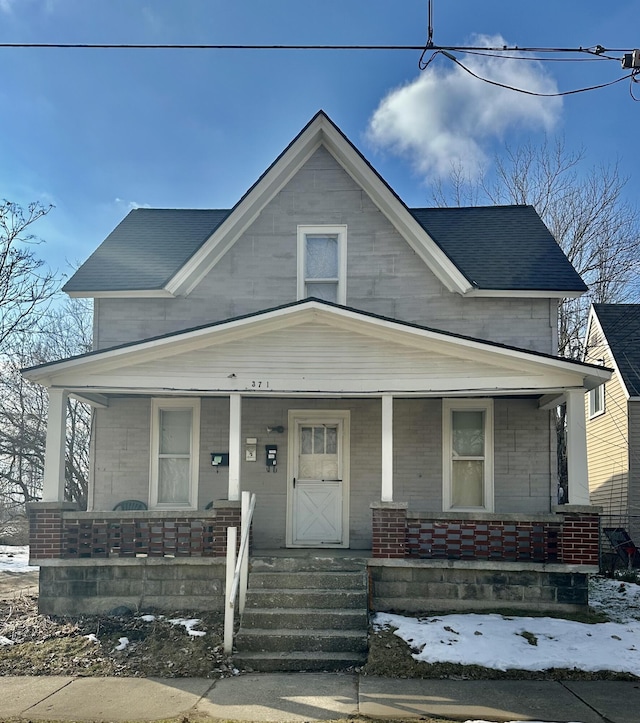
x: 569, y: 535
x: 58, y: 531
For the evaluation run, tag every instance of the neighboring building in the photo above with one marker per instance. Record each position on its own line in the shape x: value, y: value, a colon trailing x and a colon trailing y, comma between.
x: 383, y: 378
x: 613, y: 415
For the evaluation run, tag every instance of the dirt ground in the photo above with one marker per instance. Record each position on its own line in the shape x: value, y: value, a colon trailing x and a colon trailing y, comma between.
x: 18, y: 583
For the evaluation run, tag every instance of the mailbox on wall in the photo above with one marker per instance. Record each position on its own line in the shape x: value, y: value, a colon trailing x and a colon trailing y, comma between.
x: 271, y: 452
x: 219, y: 459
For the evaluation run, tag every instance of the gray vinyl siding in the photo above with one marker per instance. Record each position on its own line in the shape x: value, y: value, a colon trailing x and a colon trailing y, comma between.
x: 384, y: 275
x: 523, y: 468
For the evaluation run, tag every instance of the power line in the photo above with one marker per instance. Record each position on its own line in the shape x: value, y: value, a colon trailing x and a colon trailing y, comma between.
x: 630, y: 76
x: 244, y: 46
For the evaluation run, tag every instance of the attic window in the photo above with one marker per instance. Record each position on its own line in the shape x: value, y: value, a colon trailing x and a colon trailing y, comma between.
x: 322, y: 262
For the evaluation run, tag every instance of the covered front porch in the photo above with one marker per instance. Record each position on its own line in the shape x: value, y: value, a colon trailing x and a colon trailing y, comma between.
x: 357, y: 433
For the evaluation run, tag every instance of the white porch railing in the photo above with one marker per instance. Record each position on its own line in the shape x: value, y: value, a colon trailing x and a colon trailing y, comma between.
x: 237, y: 570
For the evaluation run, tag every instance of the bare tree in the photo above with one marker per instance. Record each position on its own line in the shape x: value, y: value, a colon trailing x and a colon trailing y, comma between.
x: 25, y: 282
x: 62, y: 332
x: 585, y: 210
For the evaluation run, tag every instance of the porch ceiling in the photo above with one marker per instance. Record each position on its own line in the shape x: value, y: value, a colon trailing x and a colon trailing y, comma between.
x: 317, y: 348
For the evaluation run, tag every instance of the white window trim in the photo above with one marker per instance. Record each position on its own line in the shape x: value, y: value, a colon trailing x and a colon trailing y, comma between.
x: 158, y: 404
x: 482, y: 405
x: 341, y: 232
x: 599, y: 393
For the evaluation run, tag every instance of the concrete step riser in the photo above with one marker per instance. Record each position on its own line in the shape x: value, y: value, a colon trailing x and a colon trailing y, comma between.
x: 266, y: 642
x: 308, y: 580
x: 305, y: 619
x: 286, y: 664
x: 331, y: 600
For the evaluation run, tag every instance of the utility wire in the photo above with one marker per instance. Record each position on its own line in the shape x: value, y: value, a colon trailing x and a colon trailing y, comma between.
x: 227, y: 46
x: 422, y: 65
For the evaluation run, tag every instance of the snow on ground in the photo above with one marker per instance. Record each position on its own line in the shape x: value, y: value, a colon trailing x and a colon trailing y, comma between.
x: 15, y: 558
x: 528, y: 643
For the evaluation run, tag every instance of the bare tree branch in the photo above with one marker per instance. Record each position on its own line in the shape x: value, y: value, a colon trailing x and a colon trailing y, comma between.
x: 25, y: 283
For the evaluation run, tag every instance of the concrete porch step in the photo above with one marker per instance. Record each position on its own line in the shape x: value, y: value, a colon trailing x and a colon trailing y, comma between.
x: 318, y: 562
x: 306, y: 619
x: 276, y: 640
x: 308, y: 580
x: 297, y: 599
x: 304, y: 613
x: 298, y: 661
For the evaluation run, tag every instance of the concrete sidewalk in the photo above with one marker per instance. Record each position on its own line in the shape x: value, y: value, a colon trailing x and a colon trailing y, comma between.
x: 323, y: 696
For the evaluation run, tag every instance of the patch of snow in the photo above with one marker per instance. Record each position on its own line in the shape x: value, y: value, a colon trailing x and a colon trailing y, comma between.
x: 15, y: 558
x: 618, y: 600
x: 92, y: 638
x: 5, y: 641
x: 189, y: 625
x: 122, y: 643
x: 525, y: 643
x: 148, y: 618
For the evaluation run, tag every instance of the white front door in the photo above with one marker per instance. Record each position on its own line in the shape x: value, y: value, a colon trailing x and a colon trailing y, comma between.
x: 318, y: 472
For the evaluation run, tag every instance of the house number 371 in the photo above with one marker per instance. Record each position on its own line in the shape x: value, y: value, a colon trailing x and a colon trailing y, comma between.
x: 259, y: 384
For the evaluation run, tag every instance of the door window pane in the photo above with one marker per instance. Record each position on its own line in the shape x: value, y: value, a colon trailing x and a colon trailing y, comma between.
x: 318, y: 440
x: 332, y: 440
x: 306, y: 440
x: 318, y: 458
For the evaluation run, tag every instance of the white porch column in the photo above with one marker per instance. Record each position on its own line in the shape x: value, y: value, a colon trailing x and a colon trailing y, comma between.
x: 235, y: 430
x: 387, y: 448
x: 577, y: 470
x: 54, y: 477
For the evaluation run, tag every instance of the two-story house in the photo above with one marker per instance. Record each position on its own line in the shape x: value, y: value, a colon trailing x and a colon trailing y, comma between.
x: 384, y: 379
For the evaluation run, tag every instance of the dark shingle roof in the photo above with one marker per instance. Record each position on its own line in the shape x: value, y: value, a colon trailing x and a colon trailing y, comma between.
x: 495, y: 247
x: 501, y: 247
x: 146, y: 249
x: 621, y: 326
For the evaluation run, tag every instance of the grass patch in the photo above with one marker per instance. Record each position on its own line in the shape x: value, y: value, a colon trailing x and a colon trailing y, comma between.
x: 529, y: 637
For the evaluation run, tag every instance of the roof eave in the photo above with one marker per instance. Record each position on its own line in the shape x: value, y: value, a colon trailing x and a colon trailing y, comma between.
x: 127, y: 294
x: 527, y: 293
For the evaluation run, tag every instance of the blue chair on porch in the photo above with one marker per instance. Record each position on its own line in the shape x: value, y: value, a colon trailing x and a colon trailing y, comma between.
x: 131, y: 505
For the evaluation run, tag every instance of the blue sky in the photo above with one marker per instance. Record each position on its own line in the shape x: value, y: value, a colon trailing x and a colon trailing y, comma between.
x: 96, y: 132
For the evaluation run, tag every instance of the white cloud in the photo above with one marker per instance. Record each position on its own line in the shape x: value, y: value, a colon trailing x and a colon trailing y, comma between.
x: 445, y: 116
x: 131, y: 205
x: 8, y: 6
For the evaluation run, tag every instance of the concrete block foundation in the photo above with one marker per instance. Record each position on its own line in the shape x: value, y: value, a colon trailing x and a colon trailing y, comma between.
x: 413, y: 586
x: 87, y: 587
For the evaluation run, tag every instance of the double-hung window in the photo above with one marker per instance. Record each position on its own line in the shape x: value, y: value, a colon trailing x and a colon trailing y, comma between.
x: 596, y: 401
x: 175, y: 432
x: 322, y: 253
x: 468, y: 454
